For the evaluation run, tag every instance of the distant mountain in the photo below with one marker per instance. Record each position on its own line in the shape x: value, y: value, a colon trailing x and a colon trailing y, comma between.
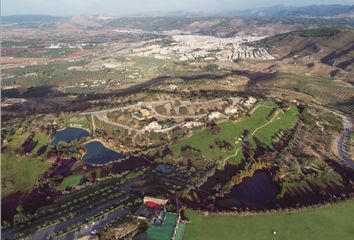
x: 334, y: 10
x: 29, y: 18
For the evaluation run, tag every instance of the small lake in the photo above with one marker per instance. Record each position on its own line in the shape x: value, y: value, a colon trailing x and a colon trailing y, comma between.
x: 164, y: 168
x: 69, y: 134
x: 256, y: 192
x: 97, y: 153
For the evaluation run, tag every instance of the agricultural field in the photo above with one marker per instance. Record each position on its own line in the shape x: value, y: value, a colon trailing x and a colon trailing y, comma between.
x: 336, y: 94
x: 325, y: 223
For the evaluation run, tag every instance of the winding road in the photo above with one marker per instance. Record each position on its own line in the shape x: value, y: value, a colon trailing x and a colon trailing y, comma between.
x: 344, y: 137
x: 150, y: 106
x: 342, y: 142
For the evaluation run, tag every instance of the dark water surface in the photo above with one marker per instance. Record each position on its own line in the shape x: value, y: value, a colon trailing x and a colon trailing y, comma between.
x: 97, y: 153
x: 69, y: 134
x: 255, y: 192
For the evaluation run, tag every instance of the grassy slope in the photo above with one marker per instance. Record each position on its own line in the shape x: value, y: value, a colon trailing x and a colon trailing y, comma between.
x: 281, y: 121
x: 82, y: 121
x: 232, y: 130
x: 71, y: 181
x: 334, y: 222
x: 19, y: 173
x: 42, y: 139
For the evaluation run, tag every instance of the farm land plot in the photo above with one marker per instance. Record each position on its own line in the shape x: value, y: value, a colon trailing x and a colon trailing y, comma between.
x: 327, y: 91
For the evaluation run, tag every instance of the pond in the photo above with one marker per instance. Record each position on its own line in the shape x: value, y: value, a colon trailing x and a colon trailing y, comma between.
x: 69, y: 134
x: 256, y: 192
x: 97, y: 153
x: 164, y: 168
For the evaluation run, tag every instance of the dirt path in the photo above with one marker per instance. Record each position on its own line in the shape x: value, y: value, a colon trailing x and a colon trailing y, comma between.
x: 263, y: 126
x: 93, y: 125
x: 266, y: 124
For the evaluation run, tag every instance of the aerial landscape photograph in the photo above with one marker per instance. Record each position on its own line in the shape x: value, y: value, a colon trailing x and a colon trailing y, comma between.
x: 177, y: 120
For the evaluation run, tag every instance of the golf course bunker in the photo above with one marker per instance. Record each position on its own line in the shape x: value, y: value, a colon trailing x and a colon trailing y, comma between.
x: 69, y: 134
x: 256, y: 192
x: 98, y: 154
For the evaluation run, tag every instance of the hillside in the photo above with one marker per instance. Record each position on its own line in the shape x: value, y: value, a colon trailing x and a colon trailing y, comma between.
x: 328, y: 46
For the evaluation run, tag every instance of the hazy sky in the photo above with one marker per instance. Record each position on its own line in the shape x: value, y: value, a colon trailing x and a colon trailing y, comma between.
x: 126, y: 7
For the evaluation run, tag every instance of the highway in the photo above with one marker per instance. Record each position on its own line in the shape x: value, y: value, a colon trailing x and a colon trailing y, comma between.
x: 343, y: 138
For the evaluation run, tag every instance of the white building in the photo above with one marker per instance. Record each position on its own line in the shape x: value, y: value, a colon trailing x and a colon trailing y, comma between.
x: 231, y: 110
x: 193, y: 124
x: 153, y: 126
x: 250, y: 101
x: 215, y: 115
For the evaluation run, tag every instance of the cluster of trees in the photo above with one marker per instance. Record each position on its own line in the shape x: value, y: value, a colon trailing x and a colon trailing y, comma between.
x: 191, y: 153
x: 319, y: 32
x: 214, y: 127
x: 223, y: 145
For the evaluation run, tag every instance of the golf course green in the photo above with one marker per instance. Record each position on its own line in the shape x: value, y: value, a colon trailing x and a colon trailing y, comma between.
x: 325, y: 223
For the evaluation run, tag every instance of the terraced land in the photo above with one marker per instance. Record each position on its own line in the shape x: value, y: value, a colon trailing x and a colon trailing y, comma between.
x: 326, y: 223
x: 329, y: 92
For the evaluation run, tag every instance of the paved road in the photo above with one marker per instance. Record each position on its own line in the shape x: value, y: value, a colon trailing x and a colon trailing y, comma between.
x: 149, y: 105
x: 139, y: 104
x: 119, y: 125
x: 342, y: 142
x: 174, y: 116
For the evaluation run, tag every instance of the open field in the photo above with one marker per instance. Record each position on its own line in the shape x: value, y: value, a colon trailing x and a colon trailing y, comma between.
x: 327, y: 223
